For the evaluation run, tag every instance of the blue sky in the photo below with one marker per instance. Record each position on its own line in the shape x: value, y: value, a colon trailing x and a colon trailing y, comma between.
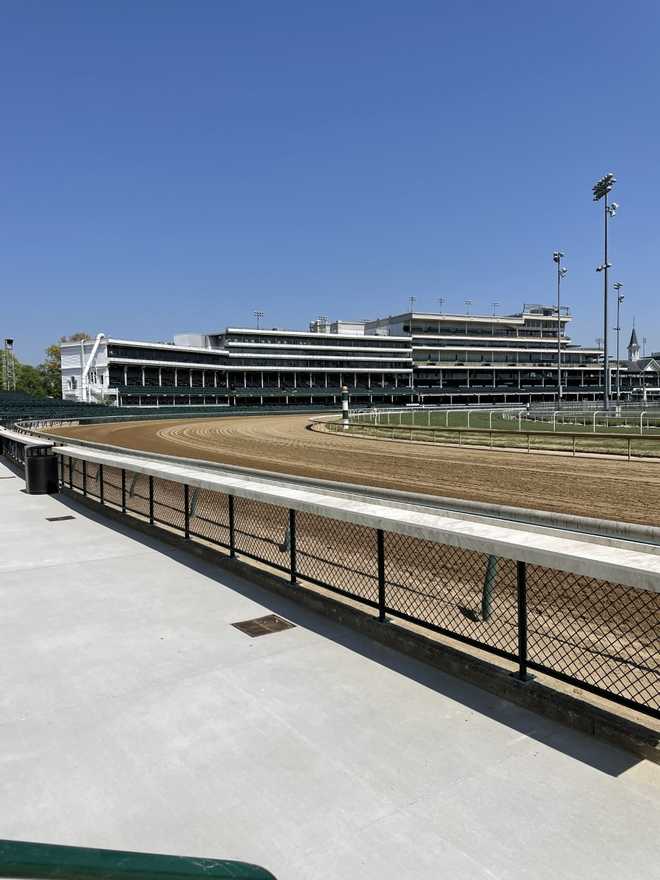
x: 173, y: 166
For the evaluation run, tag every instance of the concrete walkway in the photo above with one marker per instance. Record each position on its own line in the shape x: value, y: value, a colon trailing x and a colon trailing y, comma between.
x: 134, y: 716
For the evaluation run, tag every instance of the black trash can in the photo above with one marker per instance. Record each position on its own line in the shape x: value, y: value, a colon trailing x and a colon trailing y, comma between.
x: 40, y: 472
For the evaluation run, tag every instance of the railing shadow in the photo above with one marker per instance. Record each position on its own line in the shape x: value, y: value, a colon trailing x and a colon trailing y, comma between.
x: 602, y: 756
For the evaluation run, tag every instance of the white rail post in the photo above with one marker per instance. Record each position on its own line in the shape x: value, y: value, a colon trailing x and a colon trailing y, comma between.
x: 641, y: 421
x: 344, y: 407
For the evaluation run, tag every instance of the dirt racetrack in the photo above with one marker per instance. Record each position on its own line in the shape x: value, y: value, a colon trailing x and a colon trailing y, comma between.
x: 619, y: 490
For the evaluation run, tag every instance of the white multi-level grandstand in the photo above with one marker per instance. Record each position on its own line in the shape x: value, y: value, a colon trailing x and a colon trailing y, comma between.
x: 410, y: 357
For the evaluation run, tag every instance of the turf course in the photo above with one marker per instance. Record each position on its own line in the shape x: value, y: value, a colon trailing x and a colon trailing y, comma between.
x: 571, y: 432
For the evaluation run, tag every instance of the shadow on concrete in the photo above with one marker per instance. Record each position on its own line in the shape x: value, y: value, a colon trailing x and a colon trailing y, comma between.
x: 602, y: 756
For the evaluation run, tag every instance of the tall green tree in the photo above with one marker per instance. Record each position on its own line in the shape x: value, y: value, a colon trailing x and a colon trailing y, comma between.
x: 30, y: 380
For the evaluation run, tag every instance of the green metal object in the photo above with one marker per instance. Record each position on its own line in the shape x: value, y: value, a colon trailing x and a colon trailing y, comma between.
x: 44, y: 860
x: 489, y: 585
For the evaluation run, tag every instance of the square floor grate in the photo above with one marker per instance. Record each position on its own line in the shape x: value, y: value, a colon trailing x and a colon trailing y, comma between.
x: 262, y: 626
x: 58, y: 518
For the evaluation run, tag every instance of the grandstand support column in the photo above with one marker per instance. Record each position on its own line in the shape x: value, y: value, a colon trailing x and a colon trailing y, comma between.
x: 125, y: 375
x: 467, y: 378
x: 369, y: 380
x: 143, y: 382
x: 344, y: 407
x: 189, y: 380
x: 244, y: 378
x: 295, y: 379
x: 160, y: 377
x: 262, y: 383
x: 383, y: 381
x: 279, y: 379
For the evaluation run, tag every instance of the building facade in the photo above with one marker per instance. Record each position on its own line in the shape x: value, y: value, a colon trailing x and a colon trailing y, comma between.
x: 405, y: 358
x: 239, y: 366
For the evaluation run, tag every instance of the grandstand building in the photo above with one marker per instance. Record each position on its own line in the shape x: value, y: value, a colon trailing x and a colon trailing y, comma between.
x: 239, y: 366
x: 410, y: 357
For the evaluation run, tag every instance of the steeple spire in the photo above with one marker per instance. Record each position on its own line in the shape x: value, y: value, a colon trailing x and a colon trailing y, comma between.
x: 633, y: 345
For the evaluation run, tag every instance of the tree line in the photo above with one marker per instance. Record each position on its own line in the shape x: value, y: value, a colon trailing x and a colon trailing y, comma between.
x: 44, y: 380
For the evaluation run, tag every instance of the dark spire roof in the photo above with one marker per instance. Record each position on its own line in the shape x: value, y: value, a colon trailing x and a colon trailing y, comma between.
x: 633, y: 339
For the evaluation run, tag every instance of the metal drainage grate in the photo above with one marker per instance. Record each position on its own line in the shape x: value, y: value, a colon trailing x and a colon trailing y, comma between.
x: 261, y: 626
x: 58, y: 518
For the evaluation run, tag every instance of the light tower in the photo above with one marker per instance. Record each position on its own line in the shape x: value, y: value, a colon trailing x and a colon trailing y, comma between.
x: 619, y: 299
x: 601, y: 190
x: 9, y: 366
x: 561, y: 271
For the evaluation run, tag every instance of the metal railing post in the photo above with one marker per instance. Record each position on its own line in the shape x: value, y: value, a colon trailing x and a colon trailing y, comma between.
x: 521, y: 581
x: 489, y: 584
x: 292, y: 544
x: 101, y: 488
x: 186, y: 511
x: 70, y: 473
x: 151, y: 500
x: 232, y: 527
x: 123, y: 490
x: 380, y: 546
x: 84, y: 477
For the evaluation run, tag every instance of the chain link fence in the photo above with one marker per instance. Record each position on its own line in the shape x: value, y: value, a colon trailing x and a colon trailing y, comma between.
x: 600, y: 636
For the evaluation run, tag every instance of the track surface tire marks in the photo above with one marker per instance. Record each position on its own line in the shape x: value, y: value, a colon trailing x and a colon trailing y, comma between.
x: 628, y: 491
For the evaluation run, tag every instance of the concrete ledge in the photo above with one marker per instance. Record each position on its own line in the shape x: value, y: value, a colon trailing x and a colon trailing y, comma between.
x: 630, y: 564
x: 590, y: 526
x: 534, y: 695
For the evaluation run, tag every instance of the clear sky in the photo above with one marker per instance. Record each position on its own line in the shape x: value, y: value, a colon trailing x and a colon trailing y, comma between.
x: 173, y: 166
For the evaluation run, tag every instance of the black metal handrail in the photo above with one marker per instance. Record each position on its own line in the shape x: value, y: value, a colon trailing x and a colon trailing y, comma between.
x: 595, y: 634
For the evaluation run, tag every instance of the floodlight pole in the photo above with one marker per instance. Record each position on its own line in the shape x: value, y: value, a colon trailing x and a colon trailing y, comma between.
x: 619, y: 300
x: 560, y: 274
x: 601, y: 190
x: 606, y: 366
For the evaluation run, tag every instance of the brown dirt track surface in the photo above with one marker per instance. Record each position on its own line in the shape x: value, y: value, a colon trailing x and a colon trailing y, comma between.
x: 619, y: 490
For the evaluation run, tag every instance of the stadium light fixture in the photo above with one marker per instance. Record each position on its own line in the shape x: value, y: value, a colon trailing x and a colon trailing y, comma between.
x: 601, y: 189
x: 258, y: 315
